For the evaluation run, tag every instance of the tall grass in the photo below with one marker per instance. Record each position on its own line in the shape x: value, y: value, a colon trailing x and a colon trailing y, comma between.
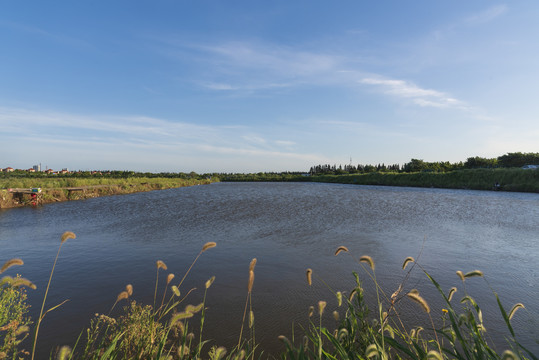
x: 173, y: 328
x: 461, y: 335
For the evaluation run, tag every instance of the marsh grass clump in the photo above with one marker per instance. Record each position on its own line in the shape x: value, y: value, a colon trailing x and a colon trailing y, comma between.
x: 461, y: 333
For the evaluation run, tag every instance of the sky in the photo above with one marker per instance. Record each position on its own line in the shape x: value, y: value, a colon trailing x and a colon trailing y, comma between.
x: 253, y: 86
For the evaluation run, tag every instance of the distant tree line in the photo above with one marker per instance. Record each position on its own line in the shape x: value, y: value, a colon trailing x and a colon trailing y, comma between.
x: 109, y: 174
x: 508, y: 160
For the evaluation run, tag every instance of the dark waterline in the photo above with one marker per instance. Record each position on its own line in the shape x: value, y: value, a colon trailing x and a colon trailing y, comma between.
x: 288, y: 227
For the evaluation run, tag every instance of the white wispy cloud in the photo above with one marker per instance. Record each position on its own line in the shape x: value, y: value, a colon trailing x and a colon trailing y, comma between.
x: 136, y: 136
x: 487, y: 15
x: 254, y: 66
x: 418, y: 95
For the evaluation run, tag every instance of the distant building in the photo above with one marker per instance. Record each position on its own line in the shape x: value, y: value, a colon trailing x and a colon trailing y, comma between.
x: 9, y: 169
x: 31, y: 170
x: 37, y: 167
x: 49, y: 171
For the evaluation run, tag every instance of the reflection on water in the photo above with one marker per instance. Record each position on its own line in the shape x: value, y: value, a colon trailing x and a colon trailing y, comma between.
x: 288, y: 227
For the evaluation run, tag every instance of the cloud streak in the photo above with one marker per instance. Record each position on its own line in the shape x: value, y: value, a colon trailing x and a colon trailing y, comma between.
x: 136, y: 136
x: 419, y: 96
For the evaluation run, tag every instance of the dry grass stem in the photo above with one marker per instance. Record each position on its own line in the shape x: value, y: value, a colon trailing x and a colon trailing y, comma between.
x: 251, y: 280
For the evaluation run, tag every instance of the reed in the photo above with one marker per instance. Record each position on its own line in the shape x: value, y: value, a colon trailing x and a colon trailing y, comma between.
x: 65, y: 236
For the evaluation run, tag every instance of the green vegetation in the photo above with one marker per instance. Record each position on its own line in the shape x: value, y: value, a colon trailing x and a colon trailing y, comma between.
x: 510, y: 160
x: 164, y: 331
x: 475, y: 179
x: 62, y: 188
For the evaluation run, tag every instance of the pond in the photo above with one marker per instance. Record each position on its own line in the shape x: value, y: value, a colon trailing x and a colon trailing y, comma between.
x: 288, y: 227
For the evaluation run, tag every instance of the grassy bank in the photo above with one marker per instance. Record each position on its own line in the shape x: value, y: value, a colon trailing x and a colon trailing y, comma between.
x: 64, y: 189
x: 172, y: 328
x: 474, y: 179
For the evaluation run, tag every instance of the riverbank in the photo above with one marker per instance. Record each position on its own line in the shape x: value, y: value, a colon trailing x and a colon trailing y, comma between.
x: 502, y: 179
x: 474, y: 179
x: 56, y: 190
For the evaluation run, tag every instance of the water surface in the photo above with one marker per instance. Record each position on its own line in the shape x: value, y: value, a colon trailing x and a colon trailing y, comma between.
x: 288, y: 227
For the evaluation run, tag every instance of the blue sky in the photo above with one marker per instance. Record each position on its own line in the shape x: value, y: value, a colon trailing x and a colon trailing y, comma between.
x: 248, y: 86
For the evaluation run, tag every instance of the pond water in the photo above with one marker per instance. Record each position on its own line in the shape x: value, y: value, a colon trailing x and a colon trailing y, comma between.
x: 288, y: 227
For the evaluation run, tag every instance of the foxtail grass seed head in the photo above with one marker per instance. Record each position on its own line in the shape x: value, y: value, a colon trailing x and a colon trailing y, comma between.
x: 367, y: 259
x: 122, y: 295
x: 396, y: 293
x: 452, y: 291
x: 311, y: 311
x: 473, y: 274
x: 23, y: 282
x: 21, y: 330
x: 68, y: 235
x: 285, y: 340
x: 305, y: 342
x: 409, y: 259
x: 309, y: 274
x: 414, y: 295
x: 220, y: 353
x: 129, y: 289
x: 240, y: 355
x: 371, y: 351
x: 339, y: 298
x: 340, y: 249
x: 509, y: 355
x: 209, y: 282
x: 460, y: 275
x: 175, y: 290
x: 352, y: 294
x: 251, y: 281
x: 434, y: 355
x: 6, y: 280
x: 11, y: 263
x: 252, y: 265
x: 209, y: 245
x: 514, y: 309
x: 64, y: 353
x: 251, y: 319
x: 336, y: 315
x: 169, y: 278
x: 321, y: 307
x: 161, y: 265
